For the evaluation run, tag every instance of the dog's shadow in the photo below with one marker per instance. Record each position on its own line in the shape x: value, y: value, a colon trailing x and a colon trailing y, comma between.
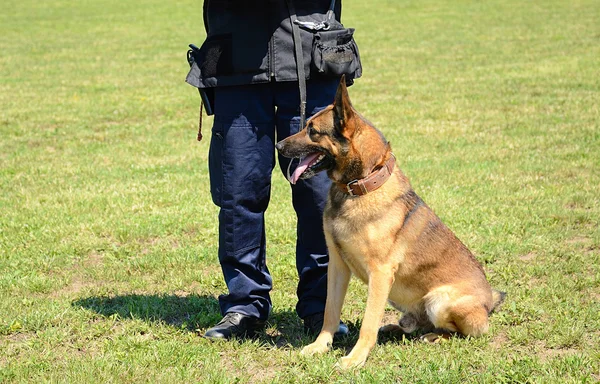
x: 196, y: 313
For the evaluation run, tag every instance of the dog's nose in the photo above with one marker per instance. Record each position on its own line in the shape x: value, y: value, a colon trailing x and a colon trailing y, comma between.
x: 279, y: 145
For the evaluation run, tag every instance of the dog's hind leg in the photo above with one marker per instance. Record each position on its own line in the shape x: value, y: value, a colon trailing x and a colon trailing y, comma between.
x: 338, y: 277
x: 468, y: 321
x: 466, y: 315
x: 471, y: 319
x: 380, y: 283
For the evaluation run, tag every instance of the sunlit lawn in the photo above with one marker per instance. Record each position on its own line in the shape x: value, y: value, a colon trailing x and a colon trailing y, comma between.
x: 108, y: 237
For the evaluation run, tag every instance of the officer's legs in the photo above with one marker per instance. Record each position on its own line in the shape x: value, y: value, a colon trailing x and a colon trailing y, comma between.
x: 241, y: 160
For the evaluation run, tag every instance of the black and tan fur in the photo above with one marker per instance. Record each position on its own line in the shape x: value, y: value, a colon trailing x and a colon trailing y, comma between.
x: 389, y: 238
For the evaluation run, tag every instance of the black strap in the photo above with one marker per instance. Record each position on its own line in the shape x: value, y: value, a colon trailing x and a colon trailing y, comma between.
x: 330, y: 11
x: 299, y: 62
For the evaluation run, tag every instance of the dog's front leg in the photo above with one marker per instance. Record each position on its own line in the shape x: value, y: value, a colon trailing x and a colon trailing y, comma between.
x: 338, y: 277
x: 380, y: 284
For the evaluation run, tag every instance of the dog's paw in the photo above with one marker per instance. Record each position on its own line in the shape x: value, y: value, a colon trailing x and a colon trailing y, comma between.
x: 390, y: 328
x: 314, y: 349
x: 434, y: 338
x: 350, y: 362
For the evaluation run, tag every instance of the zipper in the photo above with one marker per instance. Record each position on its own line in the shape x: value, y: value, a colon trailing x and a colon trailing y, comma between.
x: 275, y: 26
x: 272, y: 58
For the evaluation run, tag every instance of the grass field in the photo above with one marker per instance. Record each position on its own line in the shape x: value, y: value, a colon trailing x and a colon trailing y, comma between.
x: 108, y: 237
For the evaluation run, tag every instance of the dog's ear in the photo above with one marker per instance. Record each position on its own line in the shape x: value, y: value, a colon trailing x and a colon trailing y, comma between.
x: 342, y: 107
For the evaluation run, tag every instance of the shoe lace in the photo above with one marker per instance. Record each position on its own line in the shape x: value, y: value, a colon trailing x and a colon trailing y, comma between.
x: 229, y: 318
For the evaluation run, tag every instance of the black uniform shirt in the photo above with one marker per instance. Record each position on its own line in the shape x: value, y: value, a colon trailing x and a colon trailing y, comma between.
x: 250, y: 41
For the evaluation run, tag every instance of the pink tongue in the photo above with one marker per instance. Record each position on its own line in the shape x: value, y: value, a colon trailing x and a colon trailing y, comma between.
x: 304, y: 163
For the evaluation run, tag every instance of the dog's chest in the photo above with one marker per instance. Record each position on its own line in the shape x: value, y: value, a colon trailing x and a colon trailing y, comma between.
x: 361, y: 238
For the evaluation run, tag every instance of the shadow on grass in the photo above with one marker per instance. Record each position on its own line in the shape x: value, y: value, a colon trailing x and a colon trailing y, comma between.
x: 195, y: 313
x: 190, y: 312
x: 286, y: 330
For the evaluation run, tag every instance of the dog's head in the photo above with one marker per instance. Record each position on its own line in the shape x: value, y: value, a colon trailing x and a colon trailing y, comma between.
x: 337, y: 139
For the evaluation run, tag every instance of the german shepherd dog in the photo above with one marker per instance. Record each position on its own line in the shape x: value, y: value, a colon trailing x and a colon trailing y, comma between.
x: 379, y: 229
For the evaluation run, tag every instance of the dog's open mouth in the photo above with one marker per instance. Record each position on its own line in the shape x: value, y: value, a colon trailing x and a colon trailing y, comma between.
x: 309, y: 166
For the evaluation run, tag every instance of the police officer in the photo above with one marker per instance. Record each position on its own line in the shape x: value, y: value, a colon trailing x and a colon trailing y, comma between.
x: 247, y: 70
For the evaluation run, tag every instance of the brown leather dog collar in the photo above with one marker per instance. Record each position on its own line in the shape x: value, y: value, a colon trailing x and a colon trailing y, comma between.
x: 370, y: 183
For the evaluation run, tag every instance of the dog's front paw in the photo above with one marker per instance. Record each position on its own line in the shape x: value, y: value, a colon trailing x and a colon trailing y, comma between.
x: 314, y: 349
x: 350, y: 362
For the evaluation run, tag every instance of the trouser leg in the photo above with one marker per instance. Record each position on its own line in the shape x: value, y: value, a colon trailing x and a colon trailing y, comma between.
x: 308, y: 196
x: 241, y: 160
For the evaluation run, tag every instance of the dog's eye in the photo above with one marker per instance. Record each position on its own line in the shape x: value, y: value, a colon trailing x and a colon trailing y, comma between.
x: 311, y: 130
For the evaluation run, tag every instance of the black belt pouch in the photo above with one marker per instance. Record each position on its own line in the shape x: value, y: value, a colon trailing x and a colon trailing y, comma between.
x: 335, y: 53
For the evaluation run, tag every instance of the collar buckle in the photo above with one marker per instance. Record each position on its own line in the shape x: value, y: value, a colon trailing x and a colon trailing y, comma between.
x: 363, y: 188
x: 349, y: 187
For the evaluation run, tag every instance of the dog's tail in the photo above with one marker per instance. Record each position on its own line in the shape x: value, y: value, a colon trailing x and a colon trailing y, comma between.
x: 497, y: 299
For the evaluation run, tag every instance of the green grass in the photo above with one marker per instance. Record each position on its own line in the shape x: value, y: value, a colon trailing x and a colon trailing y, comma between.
x: 108, y: 238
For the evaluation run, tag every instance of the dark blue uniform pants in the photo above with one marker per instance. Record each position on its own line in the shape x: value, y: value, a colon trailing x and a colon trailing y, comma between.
x: 249, y: 120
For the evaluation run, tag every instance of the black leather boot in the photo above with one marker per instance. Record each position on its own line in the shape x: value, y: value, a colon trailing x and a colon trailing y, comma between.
x: 314, y: 323
x: 235, y: 325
